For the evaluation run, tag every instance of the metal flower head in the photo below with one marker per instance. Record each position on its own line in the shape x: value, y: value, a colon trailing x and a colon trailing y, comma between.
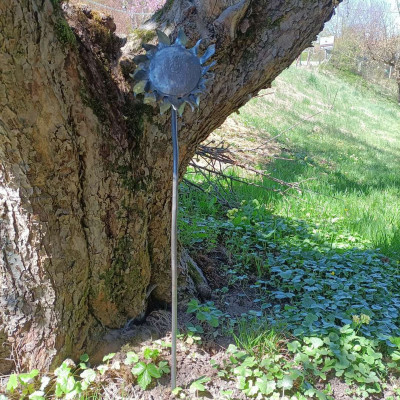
x: 171, y: 74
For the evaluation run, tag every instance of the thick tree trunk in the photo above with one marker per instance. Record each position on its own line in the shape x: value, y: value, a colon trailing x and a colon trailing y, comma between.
x: 85, y: 177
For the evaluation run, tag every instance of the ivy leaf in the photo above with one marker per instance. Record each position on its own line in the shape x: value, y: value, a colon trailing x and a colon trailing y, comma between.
x: 286, y: 383
x: 153, y: 371
x: 150, y: 353
x: 131, y: 358
x: 84, y: 358
x: 293, y: 346
x: 198, y: 385
x: 108, y: 357
x: 266, y: 386
x: 139, y: 368
x: 102, y: 368
x: 25, y: 378
x: 38, y: 395
x: 395, y: 356
x: 88, y: 376
x: 12, y: 383
x: 163, y: 367
x: 144, y: 379
x: 177, y: 390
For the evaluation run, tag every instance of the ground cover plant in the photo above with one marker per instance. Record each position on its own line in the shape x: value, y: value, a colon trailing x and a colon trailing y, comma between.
x: 346, y: 155
x: 323, y: 263
x: 307, y: 300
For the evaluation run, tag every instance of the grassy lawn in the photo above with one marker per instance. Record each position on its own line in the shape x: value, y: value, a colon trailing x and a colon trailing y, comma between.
x: 320, y: 265
x: 347, y: 155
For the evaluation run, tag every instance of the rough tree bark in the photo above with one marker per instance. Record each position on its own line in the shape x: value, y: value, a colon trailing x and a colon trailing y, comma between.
x: 85, y: 175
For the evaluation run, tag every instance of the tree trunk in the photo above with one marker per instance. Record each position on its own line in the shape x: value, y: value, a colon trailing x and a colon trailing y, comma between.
x: 85, y: 176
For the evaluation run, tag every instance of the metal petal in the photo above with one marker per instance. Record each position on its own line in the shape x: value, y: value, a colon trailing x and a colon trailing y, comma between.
x: 149, y: 47
x: 209, y: 53
x: 149, y: 98
x: 195, y: 100
x: 192, y: 105
x: 163, y: 38
x: 181, y: 109
x: 139, y: 74
x: 140, y: 59
x: 175, y: 101
x: 148, y: 86
x: 195, y: 49
x: 158, y: 95
x: 165, y: 106
x: 202, y: 85
x: 182, y: 38
x: 205, y: 69
x: 139, y: 87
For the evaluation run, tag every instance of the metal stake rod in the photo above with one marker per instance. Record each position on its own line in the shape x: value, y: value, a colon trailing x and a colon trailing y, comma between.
x: 174, y: 261
x: 172, y: 75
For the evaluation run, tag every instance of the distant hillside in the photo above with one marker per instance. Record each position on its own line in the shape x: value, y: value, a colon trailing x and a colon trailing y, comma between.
x: 338, y: 135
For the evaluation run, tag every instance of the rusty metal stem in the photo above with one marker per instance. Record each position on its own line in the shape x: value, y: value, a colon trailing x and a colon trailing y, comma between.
x: 174, y: 250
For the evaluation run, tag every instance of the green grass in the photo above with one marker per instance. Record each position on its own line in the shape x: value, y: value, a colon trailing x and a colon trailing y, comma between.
x: 321, y: 265
x: 349, y: 154
x: 257, y: 338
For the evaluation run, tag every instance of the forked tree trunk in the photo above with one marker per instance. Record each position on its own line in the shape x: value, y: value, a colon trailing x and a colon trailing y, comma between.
x: 85, y: 175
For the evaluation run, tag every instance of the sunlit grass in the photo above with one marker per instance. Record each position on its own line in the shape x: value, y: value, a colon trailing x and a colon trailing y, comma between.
x: 348, y: 155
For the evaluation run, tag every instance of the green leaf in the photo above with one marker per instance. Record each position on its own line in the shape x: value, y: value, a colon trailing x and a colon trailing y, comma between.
x: 395, y: 356
x: 131, y: 358
x: 198, y: 385
x: 153, y: 370
x: 108, y: 357
x: 396, y: 341
x: 88, y: 375
x: 214, y: 322
x: 25, y: 378
x: 177, y: 390
x: 293, y: 346
x: 144, y: 379
x: 12, y: 383
x: 369, y: 359
x: 309, y: 319
x: 193, y: 306
x: 315, y: 342
x: 266, y: 386
x: 150, y: 353
x: 139, y: 368
x: 38, y: 395
x: 346, y: 329
x: 286, y: 383
x: 84, y: 358
x: 249, y: 362
x: 241, y: 370
x: 102, y: 369
x: 163, y: 367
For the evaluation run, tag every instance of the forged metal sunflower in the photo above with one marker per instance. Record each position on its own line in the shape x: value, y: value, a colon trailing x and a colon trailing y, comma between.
x: 172, y: 75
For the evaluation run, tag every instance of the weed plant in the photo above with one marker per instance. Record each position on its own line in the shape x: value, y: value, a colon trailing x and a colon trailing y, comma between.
x: 324, y: 263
